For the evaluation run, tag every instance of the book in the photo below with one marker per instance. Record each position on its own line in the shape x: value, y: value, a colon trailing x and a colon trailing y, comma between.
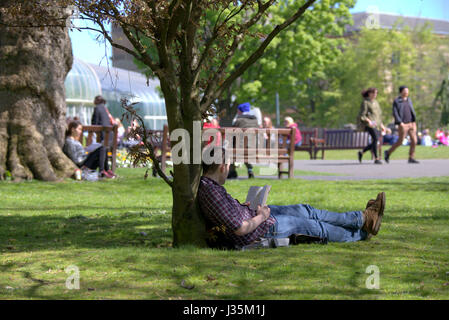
x: 257, y: 196
x: 92, y: 147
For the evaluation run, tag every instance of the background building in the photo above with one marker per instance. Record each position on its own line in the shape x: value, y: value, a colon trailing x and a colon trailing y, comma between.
x: 85, y: 81
x: 389, y: 21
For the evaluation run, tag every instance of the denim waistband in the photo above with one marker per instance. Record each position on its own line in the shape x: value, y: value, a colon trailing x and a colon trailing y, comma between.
x: 272, y: 230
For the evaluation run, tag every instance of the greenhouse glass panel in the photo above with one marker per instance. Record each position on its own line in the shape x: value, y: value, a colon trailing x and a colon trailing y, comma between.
x: 85, y: 81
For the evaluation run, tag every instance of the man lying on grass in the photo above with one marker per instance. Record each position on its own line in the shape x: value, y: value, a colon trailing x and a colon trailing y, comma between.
x: 243, y: 226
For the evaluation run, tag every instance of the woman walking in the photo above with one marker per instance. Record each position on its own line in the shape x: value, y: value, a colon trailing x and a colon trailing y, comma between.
x: 370, y: 120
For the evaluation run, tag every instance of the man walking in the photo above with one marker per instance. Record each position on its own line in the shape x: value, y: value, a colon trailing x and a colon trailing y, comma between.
x: 405, y: 117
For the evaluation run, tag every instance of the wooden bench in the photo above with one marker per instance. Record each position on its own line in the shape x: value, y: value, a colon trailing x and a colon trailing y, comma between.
x: 308, y: 142
x: 160, y: 140
x: 111, y: 146
x: 343, y: 139
x: 265, y: 152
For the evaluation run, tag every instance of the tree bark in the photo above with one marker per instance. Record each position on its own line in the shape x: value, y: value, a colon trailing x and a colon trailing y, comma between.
x: 187, y: 220
x: 188, y: 223
x: 34, y: 62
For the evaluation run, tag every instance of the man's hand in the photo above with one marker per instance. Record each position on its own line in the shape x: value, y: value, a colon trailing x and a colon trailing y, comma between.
x: 250, y: 225
x: 263, y: 211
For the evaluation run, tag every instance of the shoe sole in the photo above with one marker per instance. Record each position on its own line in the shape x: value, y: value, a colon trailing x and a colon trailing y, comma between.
x: 381, y: 213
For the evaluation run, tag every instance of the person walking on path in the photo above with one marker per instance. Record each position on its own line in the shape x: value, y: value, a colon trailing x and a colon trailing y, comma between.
x: 370, y: 120
x: 405, y: 118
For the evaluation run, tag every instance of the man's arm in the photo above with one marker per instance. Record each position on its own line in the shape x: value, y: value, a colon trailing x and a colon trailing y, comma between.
x: 248, y: 226
x: 397, y: 118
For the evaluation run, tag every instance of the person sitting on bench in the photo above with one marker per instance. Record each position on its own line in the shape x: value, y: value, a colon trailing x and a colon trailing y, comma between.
x: 243, y: 226
x: 75, y: 151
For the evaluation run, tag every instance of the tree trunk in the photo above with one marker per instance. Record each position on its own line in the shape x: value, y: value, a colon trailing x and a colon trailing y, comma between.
x: 187, y: 220
x: 33, y: 65
x: 188, y: 223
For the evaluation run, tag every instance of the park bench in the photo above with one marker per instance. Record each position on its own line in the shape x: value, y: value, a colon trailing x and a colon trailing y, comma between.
x: 94, y: 132
x: 308, y: 142
x: 343, y: 139
x: 264, y: 153
x: 160, y: 140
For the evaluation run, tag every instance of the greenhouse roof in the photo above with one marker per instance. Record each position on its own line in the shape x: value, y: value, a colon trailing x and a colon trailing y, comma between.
x: 85, y: 81
x: 82, y: 83
x: 130, y: 84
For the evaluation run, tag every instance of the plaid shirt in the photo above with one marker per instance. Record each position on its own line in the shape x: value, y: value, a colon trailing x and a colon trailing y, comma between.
x: 223, y: 210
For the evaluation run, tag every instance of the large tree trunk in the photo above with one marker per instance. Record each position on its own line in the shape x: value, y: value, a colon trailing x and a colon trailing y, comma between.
x: 33, y: 65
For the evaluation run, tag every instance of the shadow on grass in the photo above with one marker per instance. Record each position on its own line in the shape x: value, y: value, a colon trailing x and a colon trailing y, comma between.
x: 74, y: 207
x: 41, y: 232
x: 423, y: 186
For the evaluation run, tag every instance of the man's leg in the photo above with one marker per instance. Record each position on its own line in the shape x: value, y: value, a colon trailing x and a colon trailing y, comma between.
x: 401, y: 133
x: 249, y: 167
x: 103, y: 159
x: 288, y: 225
x: 352, y: 219
x: 413, y: 139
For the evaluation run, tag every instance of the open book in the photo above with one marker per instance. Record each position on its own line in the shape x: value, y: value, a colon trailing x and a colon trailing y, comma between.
x: 92, y: 147
x: 257, y: 196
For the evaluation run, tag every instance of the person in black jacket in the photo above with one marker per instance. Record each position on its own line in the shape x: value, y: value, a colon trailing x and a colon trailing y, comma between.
x: 101, y: 115
x: 405, y: 118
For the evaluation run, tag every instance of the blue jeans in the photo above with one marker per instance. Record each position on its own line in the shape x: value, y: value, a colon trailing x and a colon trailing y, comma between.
x: 304, y: 219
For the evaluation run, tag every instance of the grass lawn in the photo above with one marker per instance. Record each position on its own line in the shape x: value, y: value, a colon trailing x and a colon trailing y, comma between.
x: 401, y: 153
x: 118, y: 233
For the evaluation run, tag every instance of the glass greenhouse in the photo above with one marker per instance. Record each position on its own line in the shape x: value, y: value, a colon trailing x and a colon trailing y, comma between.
x: 85, y: 81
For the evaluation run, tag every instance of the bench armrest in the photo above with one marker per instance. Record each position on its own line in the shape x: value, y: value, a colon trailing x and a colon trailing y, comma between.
x: 316, y: 141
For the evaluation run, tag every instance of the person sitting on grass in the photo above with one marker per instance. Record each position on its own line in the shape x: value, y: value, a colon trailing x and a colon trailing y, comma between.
x: 75, y: 151
x: 243, y: 226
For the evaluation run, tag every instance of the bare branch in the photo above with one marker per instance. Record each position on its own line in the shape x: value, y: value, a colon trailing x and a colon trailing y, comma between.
x: 146, y: 141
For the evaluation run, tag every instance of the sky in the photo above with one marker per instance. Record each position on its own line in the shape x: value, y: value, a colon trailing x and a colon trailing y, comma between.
x: 88, y: 49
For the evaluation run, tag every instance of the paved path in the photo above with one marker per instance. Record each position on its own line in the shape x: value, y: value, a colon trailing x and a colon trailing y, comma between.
x: 352, y: 170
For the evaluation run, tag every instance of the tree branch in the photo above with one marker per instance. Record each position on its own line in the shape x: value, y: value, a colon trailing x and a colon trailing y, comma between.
x: 209, y: 98
x: 213, y: 84
x: 214, y: 37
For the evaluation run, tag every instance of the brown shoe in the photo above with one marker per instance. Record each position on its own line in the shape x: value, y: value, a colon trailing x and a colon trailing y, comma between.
x: 370, y: 202
x: 373, y: 214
